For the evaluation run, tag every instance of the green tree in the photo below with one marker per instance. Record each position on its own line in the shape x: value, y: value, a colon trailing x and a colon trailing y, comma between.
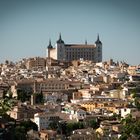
x: 4, y: 94
x: 73, y: 126
x: 136, y: 129
x: 93, y: 123
x: 23, y: 95
x: 20, y: 133
x: 124, y: 137
x: 69, y: 128
x: 137, y: 103
x: 131, y: 128
x: 39, y: 97
x: 53, y: 125
x: 5, y: 105
x: 61, y: 127
x: 28, y: 125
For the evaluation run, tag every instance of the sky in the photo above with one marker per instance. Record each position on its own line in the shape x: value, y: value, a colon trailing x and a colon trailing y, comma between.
x: 27, y: 25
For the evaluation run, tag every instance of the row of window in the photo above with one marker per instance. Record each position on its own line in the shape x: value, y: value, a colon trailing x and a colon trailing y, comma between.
x: 78, y: 53
x: 49, y: 85
x: 80, y: 56
x: 43, y: 88
x: 75, y: 51
x: 80, y: 49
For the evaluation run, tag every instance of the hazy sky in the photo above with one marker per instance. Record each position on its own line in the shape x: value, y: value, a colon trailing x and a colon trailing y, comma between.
x: 27, y: 25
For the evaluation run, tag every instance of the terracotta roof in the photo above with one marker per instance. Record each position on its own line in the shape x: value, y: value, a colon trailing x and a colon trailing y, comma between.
x: 25, y: 81
x: 53, y: 80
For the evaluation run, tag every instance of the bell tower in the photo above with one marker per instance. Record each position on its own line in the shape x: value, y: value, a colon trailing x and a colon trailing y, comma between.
x: 98, y: 44
x: 49, y: 48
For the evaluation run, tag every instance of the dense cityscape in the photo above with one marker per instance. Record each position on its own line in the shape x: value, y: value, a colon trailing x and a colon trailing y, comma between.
x: 71, y: 94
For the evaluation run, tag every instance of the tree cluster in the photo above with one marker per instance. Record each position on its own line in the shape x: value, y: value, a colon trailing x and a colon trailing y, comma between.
x: 23, y: 95
x: 67, y: 128
x: 39, y: 98
x: 18, y: 131
x: 131, y: 128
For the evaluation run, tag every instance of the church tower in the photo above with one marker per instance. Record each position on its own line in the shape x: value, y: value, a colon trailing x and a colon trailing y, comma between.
x: 98, y: 49
x: 49, y: 48
x: 60, y: 46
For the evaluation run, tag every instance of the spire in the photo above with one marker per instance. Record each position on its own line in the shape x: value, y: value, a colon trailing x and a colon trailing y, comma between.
x: 98, y: 37
x: 60, y: 36
x: 85, y: 42
x: 50, y: 42
x: 98, y: 40
x: 60, y: 39
x: 50, y: 45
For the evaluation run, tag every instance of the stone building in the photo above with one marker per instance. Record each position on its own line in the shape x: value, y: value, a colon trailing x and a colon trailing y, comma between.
x: 70, y: 52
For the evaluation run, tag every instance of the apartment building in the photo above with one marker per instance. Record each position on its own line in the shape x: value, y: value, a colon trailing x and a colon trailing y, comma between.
x: 23, y: 112
x: 44, y: 119
x: 51, y: 85
x: 36, y: 63
x: 45, y: 86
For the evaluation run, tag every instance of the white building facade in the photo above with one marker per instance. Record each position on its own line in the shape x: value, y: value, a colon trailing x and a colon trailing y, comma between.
x: 43, y: 120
